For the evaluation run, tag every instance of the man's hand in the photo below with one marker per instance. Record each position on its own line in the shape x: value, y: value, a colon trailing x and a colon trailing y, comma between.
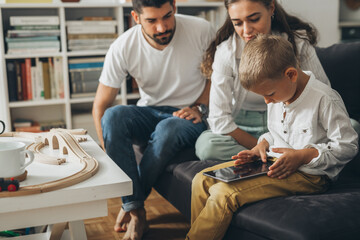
x: 290, y: 161
x: 189, y: 114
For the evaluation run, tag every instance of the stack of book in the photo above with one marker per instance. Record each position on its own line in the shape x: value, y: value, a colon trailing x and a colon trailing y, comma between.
x: 33, y: 34
x: 28, y: 125
x: 91, y: 33
x: 84, y: 76
x: 35, y: 79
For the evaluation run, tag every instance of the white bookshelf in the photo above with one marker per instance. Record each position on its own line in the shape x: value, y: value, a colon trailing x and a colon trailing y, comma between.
x: 65, y: 109
x: 349, y: 21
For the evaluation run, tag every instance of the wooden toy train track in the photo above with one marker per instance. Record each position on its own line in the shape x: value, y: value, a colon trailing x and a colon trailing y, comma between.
x: 63, y: 140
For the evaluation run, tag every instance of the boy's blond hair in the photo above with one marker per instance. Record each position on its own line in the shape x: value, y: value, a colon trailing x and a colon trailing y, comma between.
x: 265, y: 57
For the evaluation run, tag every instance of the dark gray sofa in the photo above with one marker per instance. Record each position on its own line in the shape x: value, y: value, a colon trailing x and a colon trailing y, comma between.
x: 334, y: 214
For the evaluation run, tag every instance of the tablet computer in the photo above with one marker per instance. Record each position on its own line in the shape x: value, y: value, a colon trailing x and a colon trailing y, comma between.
x: 242, y: 171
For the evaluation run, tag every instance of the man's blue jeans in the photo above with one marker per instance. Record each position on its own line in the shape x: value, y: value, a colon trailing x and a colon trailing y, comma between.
x: 154, y: 127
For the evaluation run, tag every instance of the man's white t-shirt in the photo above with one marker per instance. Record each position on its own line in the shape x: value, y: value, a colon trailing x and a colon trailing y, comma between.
x: 168, y: 77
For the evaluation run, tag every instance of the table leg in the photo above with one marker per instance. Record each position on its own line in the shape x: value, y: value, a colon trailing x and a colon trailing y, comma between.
x: 77, y: 230
x: 57, y: 231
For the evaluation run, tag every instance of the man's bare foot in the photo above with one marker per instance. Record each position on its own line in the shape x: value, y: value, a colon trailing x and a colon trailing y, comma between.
x: 137, y: 225
x: 122, y: 221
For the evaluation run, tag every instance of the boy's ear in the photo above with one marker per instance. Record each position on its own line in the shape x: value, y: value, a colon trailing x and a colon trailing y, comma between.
x: 136, y: 16
x: 291, y: 73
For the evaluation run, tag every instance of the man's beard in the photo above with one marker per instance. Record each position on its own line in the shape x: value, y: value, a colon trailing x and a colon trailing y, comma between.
x: 162, y: 40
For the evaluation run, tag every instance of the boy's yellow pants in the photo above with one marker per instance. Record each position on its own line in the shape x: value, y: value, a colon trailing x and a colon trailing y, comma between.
x: 213, y: 202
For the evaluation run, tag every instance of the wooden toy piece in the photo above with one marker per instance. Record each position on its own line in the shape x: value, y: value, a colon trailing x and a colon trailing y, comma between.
x: 78, y: 131
x: 43, y: 158
x: 68, y: 145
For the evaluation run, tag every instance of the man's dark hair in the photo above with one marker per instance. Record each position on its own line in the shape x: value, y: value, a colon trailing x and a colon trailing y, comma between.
x: 138, y: 5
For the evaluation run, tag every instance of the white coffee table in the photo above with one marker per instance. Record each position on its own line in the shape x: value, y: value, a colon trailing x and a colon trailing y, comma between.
x: 73, y: 204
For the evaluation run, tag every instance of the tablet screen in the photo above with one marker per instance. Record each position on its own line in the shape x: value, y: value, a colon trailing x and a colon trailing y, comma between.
x: 242, y: 171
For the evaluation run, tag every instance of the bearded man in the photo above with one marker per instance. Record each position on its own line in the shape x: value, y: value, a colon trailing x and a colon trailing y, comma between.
x: 163, y: 53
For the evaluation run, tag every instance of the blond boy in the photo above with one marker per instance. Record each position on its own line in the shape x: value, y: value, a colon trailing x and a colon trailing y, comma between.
x: 308, y: 125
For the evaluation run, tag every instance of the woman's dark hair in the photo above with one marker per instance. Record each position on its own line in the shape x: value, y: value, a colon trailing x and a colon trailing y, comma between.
x: 282, y: 22
x: 138, y: 5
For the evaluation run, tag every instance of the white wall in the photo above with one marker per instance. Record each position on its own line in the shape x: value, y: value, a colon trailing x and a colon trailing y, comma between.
x: 323, y: 14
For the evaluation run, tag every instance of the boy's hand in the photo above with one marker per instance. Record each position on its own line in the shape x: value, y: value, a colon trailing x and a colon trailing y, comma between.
x: 290, y: 161
x: 245, y: 156
x: 189, y: 114
x: 259, y: 151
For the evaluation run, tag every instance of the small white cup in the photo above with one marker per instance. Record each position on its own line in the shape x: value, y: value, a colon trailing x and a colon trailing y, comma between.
x: 12, y: 159
x: 2, y: 124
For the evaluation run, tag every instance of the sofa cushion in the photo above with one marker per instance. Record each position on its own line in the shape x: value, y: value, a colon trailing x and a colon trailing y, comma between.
x: 341, y: 64
x: 323, y: 216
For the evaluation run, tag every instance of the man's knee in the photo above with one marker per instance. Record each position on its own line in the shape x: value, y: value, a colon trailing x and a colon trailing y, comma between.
x: 113, y: 116
x: 176, y: 129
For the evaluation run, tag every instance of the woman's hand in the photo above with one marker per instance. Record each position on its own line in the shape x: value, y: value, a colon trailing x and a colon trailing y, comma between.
x: 189, y: 114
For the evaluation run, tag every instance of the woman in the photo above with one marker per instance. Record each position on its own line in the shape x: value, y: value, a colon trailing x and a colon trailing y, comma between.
x: 238, y: 117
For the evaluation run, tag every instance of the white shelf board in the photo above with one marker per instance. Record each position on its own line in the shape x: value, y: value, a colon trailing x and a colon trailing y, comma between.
x: 349, y: 24
x: 34, y: 103
x: 101, y: 4
x: 200, y: 4
x: 86, y: 53
x: 34, y: 55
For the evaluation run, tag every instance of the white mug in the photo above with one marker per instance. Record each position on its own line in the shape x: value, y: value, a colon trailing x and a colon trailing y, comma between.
x: 3, y: 127
x: 12, y: 159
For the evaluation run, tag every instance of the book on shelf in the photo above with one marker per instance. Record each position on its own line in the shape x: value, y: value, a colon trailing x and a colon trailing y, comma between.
x: 54, y: 87
x: 84, y: 75
x: 46, y: 80
x: 22, y: 122
x: 58, y: 77
x: 92, y: 36
x: 36, y: 27
x: 32, y: 39
x: 81, y: 23
x: 86, y: 62
x: 34, y: 20
x: 99, y: 18
x: 28, y: 34
x: 84, y: 81
x: 28, y: 83
x: 38, y: 72
x: 34, y: 44
x: 90, y: 29
x: 23, y: 81
x: 24, y: 51
x: 18, y: 81
x: 41, y: 126
x: 12, y: 80
x: 32, y: 33
x: 35, y: 79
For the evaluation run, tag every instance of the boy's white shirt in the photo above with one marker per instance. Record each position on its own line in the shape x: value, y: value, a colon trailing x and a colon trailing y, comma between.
x: 318, y: 119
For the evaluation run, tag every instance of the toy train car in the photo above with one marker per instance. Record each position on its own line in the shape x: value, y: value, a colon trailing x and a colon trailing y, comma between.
x: 9, y: 185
